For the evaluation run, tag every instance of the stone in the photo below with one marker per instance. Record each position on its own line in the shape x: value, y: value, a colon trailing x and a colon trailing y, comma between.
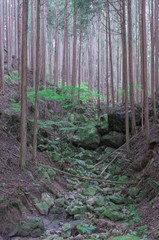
x: 45, y: 172
x: 100, y: 202
x: 126, y: 238
x: 89, y: 191
x: 86, y: 137
x: 60, y: 202
x: 66, y: 230
x: 117, y: 198
x: 113, y: 139
x: 77, y: 210
x: 44, y: 205
x: 117, y: 120
x: 102, y: 126
x: 107, y: 212
x: 28, y: 228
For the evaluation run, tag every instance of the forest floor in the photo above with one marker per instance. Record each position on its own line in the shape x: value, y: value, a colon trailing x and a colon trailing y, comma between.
x: 46, y: 202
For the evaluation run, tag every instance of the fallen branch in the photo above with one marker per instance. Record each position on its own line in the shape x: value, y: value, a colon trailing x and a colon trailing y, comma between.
x: 113, y: 152
x: 109, y: 164
x: 93, y: 179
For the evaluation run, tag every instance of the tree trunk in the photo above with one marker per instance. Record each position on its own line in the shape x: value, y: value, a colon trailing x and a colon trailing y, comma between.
x: 152, y: 62
x: 124, y: 46
x: 79, y: 64
x: 156, y: 45
x: 111, y: 60
x: 56, y: 63
x: 23, y: 124
x: 74, y: 48
x: 131, y: 68
x: 1, y: 48
x: 36, y: 113
x: 144, y: 70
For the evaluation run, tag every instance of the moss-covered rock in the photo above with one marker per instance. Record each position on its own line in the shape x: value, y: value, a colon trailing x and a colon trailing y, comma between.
x: 126, y: 238
x: 45, y: 172
x: 77, y: 210
x: 28, y: 228
x: 113, y: 139
x: 117, y: 198
x: 107, y: 212
x: 44, y: 205
x: 86, y: 137
x: 89, y: 191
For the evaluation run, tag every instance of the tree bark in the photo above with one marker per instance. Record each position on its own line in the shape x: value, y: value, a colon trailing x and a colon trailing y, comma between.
x: 74, y: 48
x: 111, y: 60
x: 144, y: 71
x: 124, y: 46
x: 1, y: 48
x: 23, y: 124
x: 131, y: 68
x: 36, y: 113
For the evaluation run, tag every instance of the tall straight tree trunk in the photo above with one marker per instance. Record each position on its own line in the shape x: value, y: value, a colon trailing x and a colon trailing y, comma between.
x: 1, y: 48
x: 98, y: 68
x: 33, y: 38
x: 34, y: 153
x: 79, y: 64
x: 23, y: 124
x: 19, y: 41
x: 156, y: 45
x: 152, y: 62
x: 131, y: 68
x: 144, y: 70
x: 74, y: 48
x: 56, y: 63
x: 43, y: 66
x: 107, y: 64
x: 8, y: 34
x: 124, y: 46
x: 111, y: 60
x: 65, y: 48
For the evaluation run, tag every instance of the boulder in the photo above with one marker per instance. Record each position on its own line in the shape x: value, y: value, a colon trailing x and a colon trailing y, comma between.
x: 113, y: 139
x: 27, y: 228
x: 86, y: 137
x: 117, y: 120
x: 44, y: 205
x: 102, y: 126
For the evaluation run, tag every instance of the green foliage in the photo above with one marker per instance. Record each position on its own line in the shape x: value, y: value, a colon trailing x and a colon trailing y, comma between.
x: 67, y: 96
x: 85, y: 228
x: 14, y: 107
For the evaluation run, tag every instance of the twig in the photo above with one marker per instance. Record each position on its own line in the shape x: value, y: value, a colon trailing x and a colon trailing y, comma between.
x: 109, y: 164
x: 93, y: 179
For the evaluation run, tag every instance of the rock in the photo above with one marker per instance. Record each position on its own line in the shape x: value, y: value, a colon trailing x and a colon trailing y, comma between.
x: 118, y: 199
x: 86, y: 137
x: 28, y: 228
x: 113, y: 139
x: 91, y: 201
x: 114, y: 170
x: 126, y: 238
x: 117, y: 120
x: 60, y: 202
x: 107, y: 212
x: 45, y: 172
x: 133, y: 192
x: 102, y: 126
x: 89, y: 191
x: 66, y: 230
x: 77, y: 210
x: 100, y: 202
x: 44, y: 205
